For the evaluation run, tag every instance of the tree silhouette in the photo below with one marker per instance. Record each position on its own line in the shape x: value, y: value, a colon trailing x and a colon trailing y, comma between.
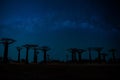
x: 90, y: 57
x: 28, y: 46
x: 98, y: 49
x: 6, y: 42
x: 35, y: 53
x: 113, y: 54
x: 104, y: 57
x: 73, y: 51
x: 45, y: 49
x: 35, y: 56
x: 19, y: 49
x: 80, y: 51
x: 67, y: 57
x: 48, y: 57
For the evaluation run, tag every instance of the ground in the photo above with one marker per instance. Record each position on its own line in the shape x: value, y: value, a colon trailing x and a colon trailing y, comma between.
x: 59, y: 71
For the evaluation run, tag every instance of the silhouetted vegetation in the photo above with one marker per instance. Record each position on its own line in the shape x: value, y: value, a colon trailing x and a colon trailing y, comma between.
x: 49, y: 68
x: 80, y: 51
x: 113, y: 55
x: 28, y: 46
x: 90, y: 57
x: 103, y: 57
x: 19, y: 49
x: 45, y: 49
x: 75, y: 52
x: 6, y: 42
x: 98, y: 49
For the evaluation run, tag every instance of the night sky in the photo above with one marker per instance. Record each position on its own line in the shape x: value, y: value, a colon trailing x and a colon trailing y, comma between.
x: 60, y: 24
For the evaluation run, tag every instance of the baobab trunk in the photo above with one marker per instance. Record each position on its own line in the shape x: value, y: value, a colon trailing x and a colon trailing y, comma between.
x: 90, y: 58
x: 113, y: 54
x: 114, y: 60
x: 27, y: 50
x: 73, y: 57
x: 45, y: 57
x: 66, y: 57
x: 79, y: 55
x: 48, y: 58
x: 99, y: 57
x: 35, y: 56
x: 5, y: 58
x: 18, y: 56
x: 104, y: 58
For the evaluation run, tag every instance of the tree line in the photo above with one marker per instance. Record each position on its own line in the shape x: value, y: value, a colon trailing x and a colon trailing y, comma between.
x: 74, y: 52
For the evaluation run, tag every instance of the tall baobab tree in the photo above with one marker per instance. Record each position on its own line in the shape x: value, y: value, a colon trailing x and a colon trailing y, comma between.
x: 90, y: 57
x: 28, y: 46
x: 6, y: 42
x: 35, y: 56
x: 80, y: 51
x: 113, y: 54
x: 73, y: 51
x: 48, y: 57
x: 35, y: 53
x: 45, y: 49
x: 19, y: 49
x: 67, y: 57
x: 99, y: 49
x: 104, y: 57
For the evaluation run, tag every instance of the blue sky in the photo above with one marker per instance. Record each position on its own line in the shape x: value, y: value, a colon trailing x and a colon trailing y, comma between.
x: 60, y: 24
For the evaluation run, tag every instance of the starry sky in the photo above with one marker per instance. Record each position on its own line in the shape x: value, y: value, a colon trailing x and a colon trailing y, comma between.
x: 60, y: 24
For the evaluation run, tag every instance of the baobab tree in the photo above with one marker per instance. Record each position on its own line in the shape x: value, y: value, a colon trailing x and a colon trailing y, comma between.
x: 28, y: 46
x: 6, y: 42
x: 73, y: 51
x: 35, y: 53
x: 98, y: 49
x: 67, y: 57
x: 90, y: 57
x: 45, y: 49
x: 80, y: 51
x: 48, y: 57
x: 113, y: 54
x: 104, y: 57
x: 19, y: 49
x: 35, y: 56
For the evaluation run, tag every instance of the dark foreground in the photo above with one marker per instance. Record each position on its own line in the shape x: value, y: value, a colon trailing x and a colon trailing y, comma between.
x: 59, y: 72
